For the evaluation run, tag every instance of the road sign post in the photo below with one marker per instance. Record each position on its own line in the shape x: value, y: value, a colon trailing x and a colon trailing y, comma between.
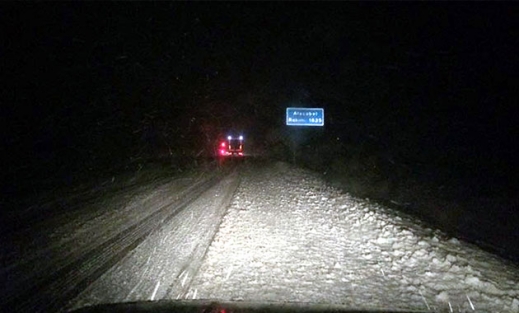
x: 305, y: 117
x: 301, y: 118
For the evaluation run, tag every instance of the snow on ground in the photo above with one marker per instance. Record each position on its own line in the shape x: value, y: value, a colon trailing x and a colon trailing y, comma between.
x: 168, y: 259
x: 287, y: 237
x: 57, y: 241
x: 81, y: 222
x: 97, y: 222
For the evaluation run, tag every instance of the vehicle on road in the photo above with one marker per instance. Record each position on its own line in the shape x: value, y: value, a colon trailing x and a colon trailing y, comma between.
x: 231, y: 147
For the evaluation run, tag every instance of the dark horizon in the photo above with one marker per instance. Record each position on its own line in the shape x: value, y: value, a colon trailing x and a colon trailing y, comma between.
x: 93, y: 84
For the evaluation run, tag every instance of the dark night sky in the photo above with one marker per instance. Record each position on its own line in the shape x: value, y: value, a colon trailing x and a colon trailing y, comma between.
x: 429, y: 78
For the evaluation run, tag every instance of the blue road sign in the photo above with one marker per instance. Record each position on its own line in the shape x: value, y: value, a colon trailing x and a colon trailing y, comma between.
x: 305, y: 117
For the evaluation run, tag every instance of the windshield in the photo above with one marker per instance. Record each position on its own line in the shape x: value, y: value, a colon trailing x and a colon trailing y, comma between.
x: 337, y: 155
x: 235, y: 144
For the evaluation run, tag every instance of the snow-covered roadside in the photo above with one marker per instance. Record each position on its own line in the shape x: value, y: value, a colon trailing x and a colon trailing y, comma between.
x: 287, y: 237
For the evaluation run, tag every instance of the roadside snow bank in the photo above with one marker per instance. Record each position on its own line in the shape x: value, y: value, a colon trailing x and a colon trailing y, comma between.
x: 289, y: 237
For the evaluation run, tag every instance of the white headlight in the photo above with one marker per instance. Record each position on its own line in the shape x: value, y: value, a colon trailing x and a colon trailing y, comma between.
x: 229, y: 137
x: 241, y: 137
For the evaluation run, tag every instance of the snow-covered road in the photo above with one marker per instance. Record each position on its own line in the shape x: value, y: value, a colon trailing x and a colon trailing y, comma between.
x: 267, y: 232
x: 168, y: 259
x: 286, y: 236
x: 56, y: 256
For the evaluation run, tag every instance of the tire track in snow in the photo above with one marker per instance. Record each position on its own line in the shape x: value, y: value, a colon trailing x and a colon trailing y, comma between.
x: 200, y: 253
x: 166, y: 260
x: 81, y: 270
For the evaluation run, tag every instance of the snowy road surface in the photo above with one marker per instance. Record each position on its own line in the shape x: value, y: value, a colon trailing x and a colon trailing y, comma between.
x: 55, y: 256
x: 274, y: 233
x: 168, y: 259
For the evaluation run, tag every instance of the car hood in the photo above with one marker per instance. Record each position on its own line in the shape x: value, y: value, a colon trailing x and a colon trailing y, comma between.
x: 212, y: 306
